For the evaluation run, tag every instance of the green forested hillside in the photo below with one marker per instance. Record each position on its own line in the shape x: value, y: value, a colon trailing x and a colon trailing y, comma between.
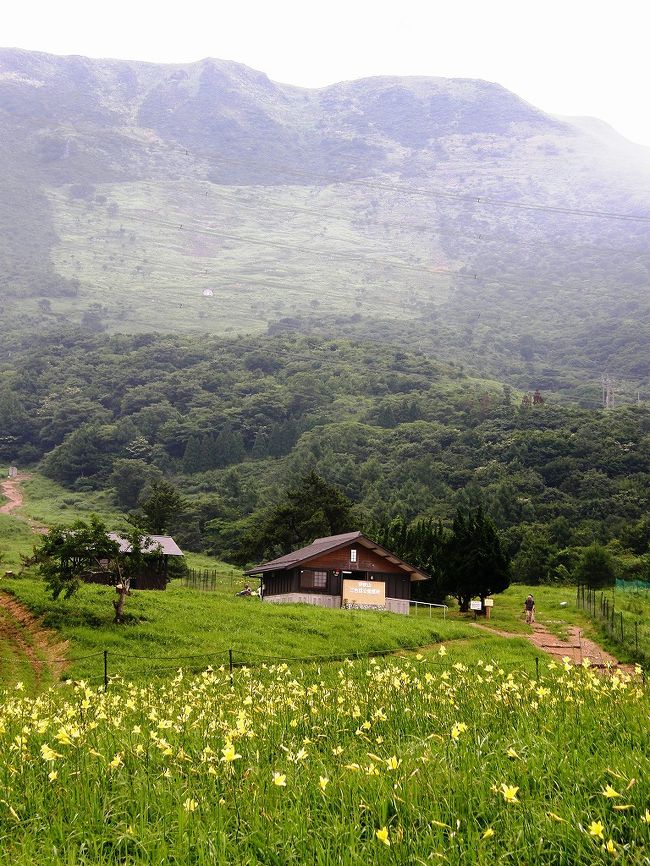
x: 233, y: 422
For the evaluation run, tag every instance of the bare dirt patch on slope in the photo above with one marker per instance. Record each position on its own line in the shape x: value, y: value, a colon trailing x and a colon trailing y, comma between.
x: 42, y: 648
x: 11, y: 490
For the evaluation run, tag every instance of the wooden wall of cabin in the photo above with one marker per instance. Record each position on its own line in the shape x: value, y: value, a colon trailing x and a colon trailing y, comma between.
x: 283, y: 582
x: 367, y: 560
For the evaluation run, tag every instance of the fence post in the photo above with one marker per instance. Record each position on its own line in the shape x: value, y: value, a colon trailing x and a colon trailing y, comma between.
x: 105, y: 670
x: 537, y: 667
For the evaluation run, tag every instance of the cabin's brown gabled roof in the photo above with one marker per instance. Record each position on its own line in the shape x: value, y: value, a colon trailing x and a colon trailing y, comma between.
x: 329, y: 544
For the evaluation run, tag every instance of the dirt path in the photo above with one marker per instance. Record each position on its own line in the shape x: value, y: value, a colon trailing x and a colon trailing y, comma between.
x: 42, y: 648
x: 20, y: 631
x: 11, y: 490
x: 576, y: 648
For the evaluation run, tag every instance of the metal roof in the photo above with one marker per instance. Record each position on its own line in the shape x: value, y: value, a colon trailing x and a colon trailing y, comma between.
x: 149, y: 544
x: 328, y: 544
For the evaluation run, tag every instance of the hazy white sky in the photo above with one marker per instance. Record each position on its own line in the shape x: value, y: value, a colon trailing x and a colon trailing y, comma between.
x: 575, y: 57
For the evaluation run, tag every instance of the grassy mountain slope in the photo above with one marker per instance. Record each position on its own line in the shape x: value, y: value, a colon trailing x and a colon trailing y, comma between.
x: 208, y: 198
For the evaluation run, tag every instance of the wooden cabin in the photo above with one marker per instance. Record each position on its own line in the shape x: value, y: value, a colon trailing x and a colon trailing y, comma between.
x: 348, y: 571
x: 154, y: 575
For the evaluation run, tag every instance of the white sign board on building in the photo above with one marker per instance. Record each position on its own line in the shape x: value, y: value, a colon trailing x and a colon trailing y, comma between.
x: 364, y: 592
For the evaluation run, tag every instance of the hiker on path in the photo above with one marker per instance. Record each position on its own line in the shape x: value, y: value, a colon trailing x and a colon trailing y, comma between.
x: 529, y: 608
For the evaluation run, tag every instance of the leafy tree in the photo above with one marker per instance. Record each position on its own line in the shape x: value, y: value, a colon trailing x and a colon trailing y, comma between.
x: 636, y: 536
x: 16, y: 424
x: 531, y: 564
x: 160, y: 507
x: 311, y: 508
x: 596, y: 567
x: 476, y: 560
x: 422, y: 544
x: 68, y: 553
x: 192, y: 456
x: 229, y: 446
x: 129, y: 478
x: 86, y: 453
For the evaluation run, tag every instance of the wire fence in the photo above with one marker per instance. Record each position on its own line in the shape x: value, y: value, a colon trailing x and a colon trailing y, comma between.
x: 112, y: 665
x: 431, y: 607
x: 201, y: 578
x: 630, y: 632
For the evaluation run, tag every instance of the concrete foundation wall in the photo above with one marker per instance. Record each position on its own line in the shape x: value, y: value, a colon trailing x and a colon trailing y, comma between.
x: 395, y: 605
x: 398, y: 605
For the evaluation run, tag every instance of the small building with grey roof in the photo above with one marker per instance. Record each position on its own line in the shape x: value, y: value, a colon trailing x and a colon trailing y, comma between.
x: 154, y: 572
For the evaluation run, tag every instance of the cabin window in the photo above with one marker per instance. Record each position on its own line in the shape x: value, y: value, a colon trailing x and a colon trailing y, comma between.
x: 313, y: 580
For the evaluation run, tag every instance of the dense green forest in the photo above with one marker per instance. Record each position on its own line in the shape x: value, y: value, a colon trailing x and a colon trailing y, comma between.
x: 232, y: 423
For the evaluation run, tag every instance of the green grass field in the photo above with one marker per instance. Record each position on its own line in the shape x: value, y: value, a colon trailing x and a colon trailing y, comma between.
x: 183, y: 627
x: 50, y: 503
x: 16, y: 540
x: 459, y: 746
x: 627, y: 635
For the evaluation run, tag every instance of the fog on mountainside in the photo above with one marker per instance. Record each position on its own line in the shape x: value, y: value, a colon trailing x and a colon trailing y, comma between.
x: 447, y: 214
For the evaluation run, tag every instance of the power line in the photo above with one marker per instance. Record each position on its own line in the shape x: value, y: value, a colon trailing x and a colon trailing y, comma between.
x: 430, y: 272
x: 468, y: 198
x: 322, y: 214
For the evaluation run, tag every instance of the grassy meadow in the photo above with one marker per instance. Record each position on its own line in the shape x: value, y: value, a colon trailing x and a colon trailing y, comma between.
x: 183, y: 627
x: 508, y: 611
x: 412, y: 760
x: 632, y: 612
x: 16, y: 540
x: 50, y: 503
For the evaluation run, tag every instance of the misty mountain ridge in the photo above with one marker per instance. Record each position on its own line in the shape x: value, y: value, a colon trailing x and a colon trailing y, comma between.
x: 137, y: 196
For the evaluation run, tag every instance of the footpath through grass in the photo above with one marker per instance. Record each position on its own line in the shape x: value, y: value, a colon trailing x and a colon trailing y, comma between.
x: 555, y: 607
x: 388, y: 761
